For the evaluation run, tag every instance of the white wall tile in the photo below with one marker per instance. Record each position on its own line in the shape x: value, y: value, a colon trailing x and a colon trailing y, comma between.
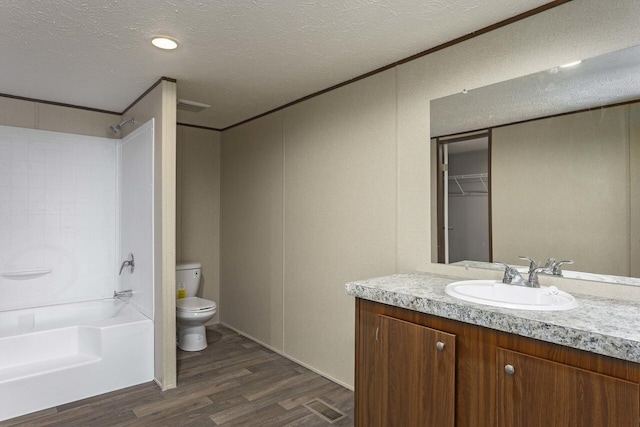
x: 57, y: 211
x: 136, y: 215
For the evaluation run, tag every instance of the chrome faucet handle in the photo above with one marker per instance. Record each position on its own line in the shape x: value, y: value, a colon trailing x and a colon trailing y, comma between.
x: 532, y: 281
x: 557, y: 267
x: 508, y: 272
x: 532, y: 263
x: 511, y: 275
x: 129, y: 262
x: 551, y: 262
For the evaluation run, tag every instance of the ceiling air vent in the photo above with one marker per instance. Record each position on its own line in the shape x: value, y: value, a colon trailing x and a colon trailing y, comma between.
x: 194, y: 107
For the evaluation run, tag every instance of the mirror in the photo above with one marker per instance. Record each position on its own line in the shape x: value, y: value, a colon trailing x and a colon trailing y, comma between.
x: 561, y: 171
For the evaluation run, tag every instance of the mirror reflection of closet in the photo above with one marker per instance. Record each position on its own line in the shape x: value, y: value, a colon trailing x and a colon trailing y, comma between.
x: 464, y: 231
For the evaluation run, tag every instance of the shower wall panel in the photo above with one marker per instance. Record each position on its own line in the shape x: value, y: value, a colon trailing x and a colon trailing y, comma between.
x: 136, y: 215
x: 57, y: 217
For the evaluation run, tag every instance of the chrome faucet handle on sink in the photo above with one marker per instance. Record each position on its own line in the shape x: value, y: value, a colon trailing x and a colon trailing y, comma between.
x: 511, y: 275
x: 533, y: 282
x: 557, y: 267
x: 532, y: 263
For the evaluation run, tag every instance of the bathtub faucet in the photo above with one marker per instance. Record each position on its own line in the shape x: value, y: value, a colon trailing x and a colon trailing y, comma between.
x: 127, y: 263
x: 126, y: 293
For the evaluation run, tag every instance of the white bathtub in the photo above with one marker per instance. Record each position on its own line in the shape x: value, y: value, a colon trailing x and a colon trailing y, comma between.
x: 58, y: 354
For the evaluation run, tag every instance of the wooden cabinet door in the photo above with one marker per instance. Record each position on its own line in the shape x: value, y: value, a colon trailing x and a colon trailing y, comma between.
x: 367, y: 395
x: 536, y: 392
x: 416, y: 375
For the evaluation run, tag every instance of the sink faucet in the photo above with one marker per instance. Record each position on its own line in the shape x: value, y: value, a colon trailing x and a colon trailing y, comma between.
x: 532, y: 263
x: 551, y: 267
x: 511, y: 275
x: 532, y: 282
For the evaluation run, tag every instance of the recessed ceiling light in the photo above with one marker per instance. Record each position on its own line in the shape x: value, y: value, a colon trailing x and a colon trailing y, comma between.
x: 164, y: 42
x: 570, y: 64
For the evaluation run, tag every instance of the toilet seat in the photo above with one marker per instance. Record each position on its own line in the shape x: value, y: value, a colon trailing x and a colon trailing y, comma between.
x: 194, y: 304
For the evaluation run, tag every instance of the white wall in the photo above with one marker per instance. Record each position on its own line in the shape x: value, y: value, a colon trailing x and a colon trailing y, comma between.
x: 136, y: 216
x: 58, y: 213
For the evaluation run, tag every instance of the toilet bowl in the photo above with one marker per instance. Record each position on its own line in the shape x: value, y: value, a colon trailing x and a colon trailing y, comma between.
x: 191, y: 315
x: 191, y: 312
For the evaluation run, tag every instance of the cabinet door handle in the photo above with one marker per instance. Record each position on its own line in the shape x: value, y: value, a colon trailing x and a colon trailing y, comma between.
x: 509, y: 369
x: 440, y: 345
x: 377, y: 331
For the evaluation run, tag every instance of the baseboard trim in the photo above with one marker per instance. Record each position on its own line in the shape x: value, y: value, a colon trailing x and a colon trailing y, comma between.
x: 162, y: 387
x: 293, y: 359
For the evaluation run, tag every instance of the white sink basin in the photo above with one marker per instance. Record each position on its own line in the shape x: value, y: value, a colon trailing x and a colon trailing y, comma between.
x: 498, y: 294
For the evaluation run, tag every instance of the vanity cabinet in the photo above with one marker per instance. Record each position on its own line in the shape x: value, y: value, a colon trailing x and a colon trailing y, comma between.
x: 481, y: 377
x: 407, y: 354
x: 532, y: 391
x: 396, y: 357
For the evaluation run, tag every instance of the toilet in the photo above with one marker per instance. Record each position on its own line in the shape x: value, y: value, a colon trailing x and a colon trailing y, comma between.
x: 191, y: 312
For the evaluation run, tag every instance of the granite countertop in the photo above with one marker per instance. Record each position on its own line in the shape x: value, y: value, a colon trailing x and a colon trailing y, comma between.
x: 599, y: 325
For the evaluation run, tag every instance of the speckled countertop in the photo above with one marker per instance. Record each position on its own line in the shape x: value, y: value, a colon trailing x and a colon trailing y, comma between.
x: 604, y: 326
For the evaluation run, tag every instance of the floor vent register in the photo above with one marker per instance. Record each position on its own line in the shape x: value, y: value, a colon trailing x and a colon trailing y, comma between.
x: 325, y: 411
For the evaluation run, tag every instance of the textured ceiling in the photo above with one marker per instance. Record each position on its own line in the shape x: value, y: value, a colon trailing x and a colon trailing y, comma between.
x: 241, y: 57
x: 604, y: 80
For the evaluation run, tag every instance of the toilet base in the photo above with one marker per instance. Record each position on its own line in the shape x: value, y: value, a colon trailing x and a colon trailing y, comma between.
x: 192, y: 338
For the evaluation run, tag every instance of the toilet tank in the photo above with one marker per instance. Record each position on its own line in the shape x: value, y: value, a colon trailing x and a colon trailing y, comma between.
x: 188, y: 279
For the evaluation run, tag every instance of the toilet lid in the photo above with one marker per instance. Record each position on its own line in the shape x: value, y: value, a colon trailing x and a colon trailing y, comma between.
x: 188, y: 266
x: 194, y: 304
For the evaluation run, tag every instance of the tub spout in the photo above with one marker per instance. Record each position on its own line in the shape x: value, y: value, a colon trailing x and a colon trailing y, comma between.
x: 127, y: 293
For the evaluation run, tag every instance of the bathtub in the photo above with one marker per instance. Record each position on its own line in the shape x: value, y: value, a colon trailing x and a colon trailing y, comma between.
x: 59, y: 354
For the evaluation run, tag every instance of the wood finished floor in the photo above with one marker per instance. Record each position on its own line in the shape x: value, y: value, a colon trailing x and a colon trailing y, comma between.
x: 233, y: 382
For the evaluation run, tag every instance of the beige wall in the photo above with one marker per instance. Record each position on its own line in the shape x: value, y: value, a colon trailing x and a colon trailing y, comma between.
x: 338, y: 211
x: 198, y: 205
x: 251, y: 294
x: 35, y: 115
x: 560, y: 188
x: 342, y: 151
x: 160, y: 104
x: 634, y: 190
x: 340, y: 215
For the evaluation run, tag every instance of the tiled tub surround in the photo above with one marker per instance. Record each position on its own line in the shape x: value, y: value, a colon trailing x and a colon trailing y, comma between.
x: 604, y: 326
x: 58, y: 214
x: 59, y: 226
